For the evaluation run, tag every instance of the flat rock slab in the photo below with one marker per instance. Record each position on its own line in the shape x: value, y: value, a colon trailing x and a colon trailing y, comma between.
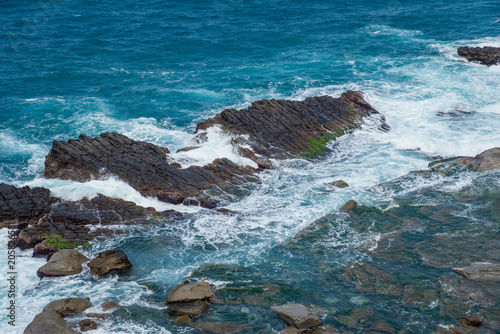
x: 190, y: 292
x: 49, y: 322
x: 486, y: 55
x: 481, y: 271
x: 299, y: 315
x: 195, y: 307
x: 63, y: 263
x: 68, y: 306
x: 110, y: 262
x: 223, y: 328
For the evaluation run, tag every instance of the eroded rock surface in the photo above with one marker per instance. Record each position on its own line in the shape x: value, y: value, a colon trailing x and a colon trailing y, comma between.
x: 300, y: 316
x: 63, y: 263
x: 190, y: 298
x: 49, y: 322
x: 486, y: 55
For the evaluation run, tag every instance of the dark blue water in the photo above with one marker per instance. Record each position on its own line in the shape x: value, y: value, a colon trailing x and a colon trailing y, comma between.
x: 152, y: 69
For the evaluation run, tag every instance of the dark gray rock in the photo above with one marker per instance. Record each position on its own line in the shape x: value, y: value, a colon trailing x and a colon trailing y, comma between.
x: 63, y: 263
x: 49, y: 322
x: 299, y: 315
x: 110, y: 262
x: 481, y: 271
x: 68, y: 306
x: 486, y: 55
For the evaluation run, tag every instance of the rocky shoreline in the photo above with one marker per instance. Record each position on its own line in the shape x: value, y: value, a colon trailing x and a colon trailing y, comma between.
x: 300, y: 129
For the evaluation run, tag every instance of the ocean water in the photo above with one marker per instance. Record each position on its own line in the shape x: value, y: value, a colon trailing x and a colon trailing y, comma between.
x: 152, y: 69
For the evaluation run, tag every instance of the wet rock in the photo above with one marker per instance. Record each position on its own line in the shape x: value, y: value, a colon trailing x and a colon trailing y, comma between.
x: 223, y: 328
x: 63, y: 263
x: 353, y: 319
x: 339, y: 184
x: 471, y: 320
x: 481, y: 271
x: 23, y: 203
x: 325, y: 330
x: 48, y: 322
x: 351, y: 204
x: 299, y: 315
x: 368, y: 278
x: 487, y: 160
x: 142, y: 165
x: 382, y: 327
x: 486, y: 55
x: 190, y: 298
x: 110, y: 262
x: 183, y: 319
x: 290, y: 330
x: 283, y: 129
x: 68, y: 306
x: 87, y: 325
x: 109, y: 305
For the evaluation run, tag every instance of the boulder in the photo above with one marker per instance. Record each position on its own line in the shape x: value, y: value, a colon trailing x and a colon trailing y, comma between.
x: 87, y: 325
x: 110, y: 262
x: 299, y: 315
x: 481, y: 271
x: 49, y: 322
x: 487, y: 160
x: 339, y: 184
x: 109, y: 305
x: 351, y: 204
x: 486, y: 55
x: 190, y: 298
x: 63, y: 263
x: 68, y: 306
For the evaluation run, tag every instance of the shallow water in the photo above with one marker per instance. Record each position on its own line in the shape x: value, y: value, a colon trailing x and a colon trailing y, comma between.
x: 152, y: 70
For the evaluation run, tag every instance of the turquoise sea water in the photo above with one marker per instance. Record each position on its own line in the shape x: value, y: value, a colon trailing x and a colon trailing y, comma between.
x: 153, y: 69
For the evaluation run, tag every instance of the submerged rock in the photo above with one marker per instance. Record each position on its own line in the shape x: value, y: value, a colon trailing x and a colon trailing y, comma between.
x: 109, y: 305
x: 299, y: 315
x: 110, y: 262
x: 142, y: 165
x: 49, y: 322
x: 283, y: 129
x: 68, y: 306
x: 486, y: 55
x: 290, y: 330
x: 223, y: 328
x: 190, y: 298
x: 481, y: 271
x: 63, y: 263
x: 339, y: 184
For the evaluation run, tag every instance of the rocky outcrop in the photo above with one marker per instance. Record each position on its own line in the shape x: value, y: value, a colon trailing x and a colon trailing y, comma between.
x: 339, y: 184
x: 481, y: 271
x: 300, y: 316
x: 283, y: 129
x: 68, y: 306
x: 142, y: 165
x: 49, y: 322
x: 487, y: 160
x: 22, y: 205
x: 486, y: 55
x: 63, y: 263
x: 350, y: 205
x: 190, y: 298
x: 110, y: 262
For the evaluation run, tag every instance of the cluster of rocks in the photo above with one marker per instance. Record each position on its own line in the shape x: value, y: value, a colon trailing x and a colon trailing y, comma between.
x: 68, y: 262
x: 486, y: 55
x: 51, y: 319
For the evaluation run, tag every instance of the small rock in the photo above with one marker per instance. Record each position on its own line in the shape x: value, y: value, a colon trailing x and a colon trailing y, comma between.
x: 290, y: 330
x: 299, y: 315
x: 351, y: 204
x: 223, y: 328
x: 48, y: 322
x: 68, y: 306
x: 471, y: 320
x: 480, y: 271
x: 63, y: 263
x: 339, y: 184
x: 87, y: 325
x: 110, y: 262
x: 109, y: 305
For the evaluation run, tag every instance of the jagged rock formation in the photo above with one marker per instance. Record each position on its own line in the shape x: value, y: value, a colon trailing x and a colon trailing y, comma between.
x: 285, y: 129
x: 142, y: 165
x: 487, y: 55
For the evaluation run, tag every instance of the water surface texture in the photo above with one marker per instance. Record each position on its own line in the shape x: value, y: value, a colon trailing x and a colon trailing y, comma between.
x: 152, y: 69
